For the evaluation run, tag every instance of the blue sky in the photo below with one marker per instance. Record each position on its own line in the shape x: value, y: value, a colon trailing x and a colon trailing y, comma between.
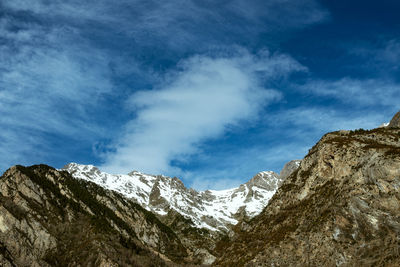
x: 209, y: 91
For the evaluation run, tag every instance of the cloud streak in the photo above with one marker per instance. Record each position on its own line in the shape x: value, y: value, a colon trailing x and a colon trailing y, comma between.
x: 180, y: 23
x: 49, y: 85
x: 201, y: 100
x: 359, y: 93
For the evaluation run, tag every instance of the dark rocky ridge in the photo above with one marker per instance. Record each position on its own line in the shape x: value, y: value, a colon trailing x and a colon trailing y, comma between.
x: 48, y: 218
x: 340, y: 208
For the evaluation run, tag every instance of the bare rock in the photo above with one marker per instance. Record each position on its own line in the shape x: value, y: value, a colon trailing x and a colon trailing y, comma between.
x: 395, y: 122
x: 49, y: 218
x: 288, y: 169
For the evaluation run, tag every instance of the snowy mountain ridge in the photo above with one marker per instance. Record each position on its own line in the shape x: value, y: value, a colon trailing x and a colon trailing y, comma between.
x: 215, y: 210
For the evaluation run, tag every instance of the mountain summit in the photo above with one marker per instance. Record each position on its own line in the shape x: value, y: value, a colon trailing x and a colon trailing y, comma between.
x: 214, y: 210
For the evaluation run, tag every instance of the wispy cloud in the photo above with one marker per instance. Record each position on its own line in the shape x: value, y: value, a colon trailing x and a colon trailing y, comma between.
x: 357, y: 92
x: 385, y: 52
x: 49, y: 84
x: 315, y: 121
x: 180, y: 23
x: 391, y: 52
x: 201, y: 100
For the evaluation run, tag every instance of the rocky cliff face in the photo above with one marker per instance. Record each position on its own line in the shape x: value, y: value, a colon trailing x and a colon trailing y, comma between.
x: 287, y: 170
x: 49, y: 218
x: 340, y: 208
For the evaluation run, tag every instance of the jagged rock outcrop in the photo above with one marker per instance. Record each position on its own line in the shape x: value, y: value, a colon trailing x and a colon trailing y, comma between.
x: 340, y: 208
x: 49, y: 218
x: 395, y: 122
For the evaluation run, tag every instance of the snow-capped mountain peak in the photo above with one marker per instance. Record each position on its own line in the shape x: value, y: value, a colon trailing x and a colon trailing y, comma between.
x: 215, y: 210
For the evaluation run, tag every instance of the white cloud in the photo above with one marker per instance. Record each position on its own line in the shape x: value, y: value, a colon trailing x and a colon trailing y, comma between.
x: 201, y: 100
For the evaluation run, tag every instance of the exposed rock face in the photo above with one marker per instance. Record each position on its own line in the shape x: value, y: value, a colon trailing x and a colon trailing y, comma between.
x: 288, y: 169
x: 395, y: 122
x: 48, y: 218
x: 340, y: 208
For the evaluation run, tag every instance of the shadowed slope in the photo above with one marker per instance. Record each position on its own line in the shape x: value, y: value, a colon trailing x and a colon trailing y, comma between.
x: 48, y: 218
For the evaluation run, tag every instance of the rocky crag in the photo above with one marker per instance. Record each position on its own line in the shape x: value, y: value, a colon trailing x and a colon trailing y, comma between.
x: 341, y: 207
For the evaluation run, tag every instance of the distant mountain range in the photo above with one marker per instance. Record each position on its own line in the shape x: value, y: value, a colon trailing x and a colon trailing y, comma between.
x: 211, y: 209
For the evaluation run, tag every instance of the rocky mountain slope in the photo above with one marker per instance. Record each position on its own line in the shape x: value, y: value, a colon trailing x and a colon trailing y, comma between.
x: 213, y: 210
x: 395, y: 122
x: 49, y: 218
x: 340, y: 208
